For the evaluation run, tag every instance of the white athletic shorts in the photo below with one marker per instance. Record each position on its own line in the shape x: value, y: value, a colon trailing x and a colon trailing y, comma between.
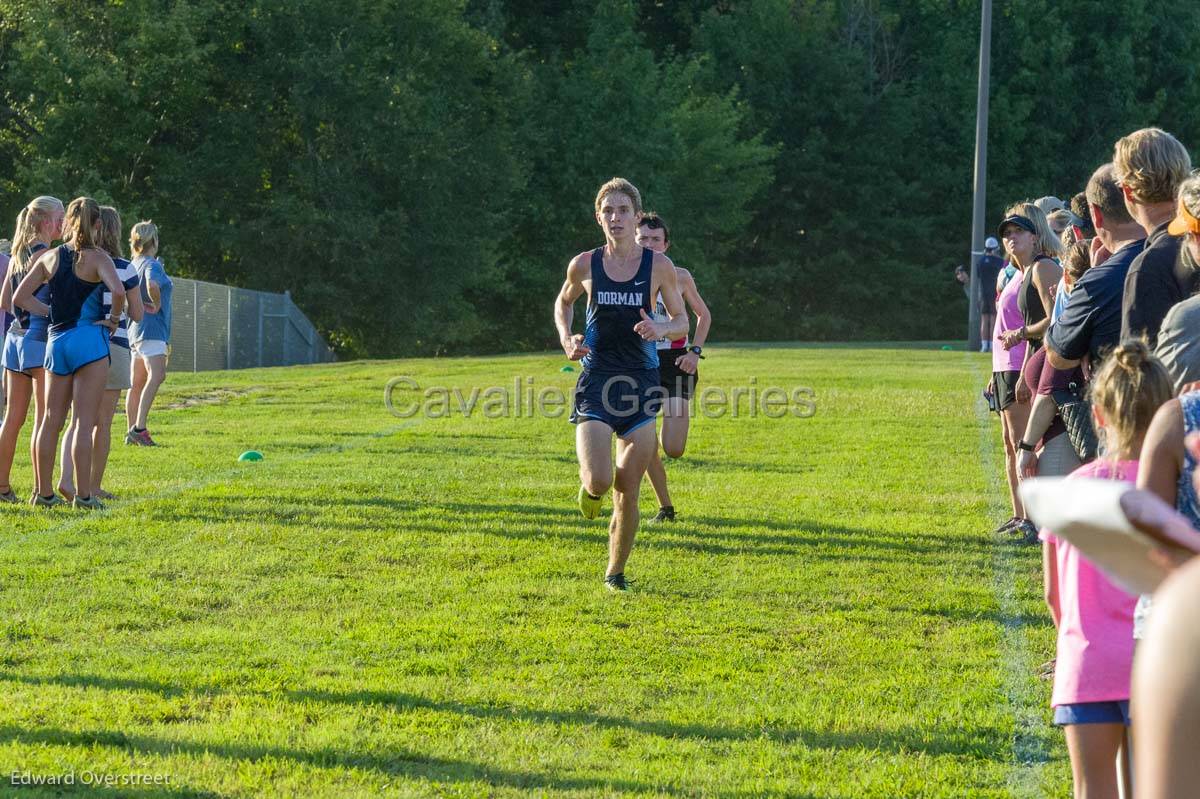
x: 149, y: 347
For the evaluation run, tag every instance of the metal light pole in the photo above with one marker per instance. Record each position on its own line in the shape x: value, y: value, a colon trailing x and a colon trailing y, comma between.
x: 981, y: 125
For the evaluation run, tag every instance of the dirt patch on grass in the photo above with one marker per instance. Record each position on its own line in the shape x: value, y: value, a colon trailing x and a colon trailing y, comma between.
x: 214, y: 396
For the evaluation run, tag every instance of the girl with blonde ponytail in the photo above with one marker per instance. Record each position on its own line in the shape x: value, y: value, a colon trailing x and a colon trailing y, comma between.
x: 1095, y: 618
x: 77, y: 349
x: 38, y: 224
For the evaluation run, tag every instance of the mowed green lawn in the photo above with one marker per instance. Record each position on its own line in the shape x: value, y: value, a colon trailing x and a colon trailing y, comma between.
x: 414, y: 607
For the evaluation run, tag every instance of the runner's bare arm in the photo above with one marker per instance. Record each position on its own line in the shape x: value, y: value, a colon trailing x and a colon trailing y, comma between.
x: 1162, y: 453
x: 665, y: 283
x: 154, y: 294
x: 689, y: 362
x: 564, y: 307
x: 691, y: 296
x: 6, y: 291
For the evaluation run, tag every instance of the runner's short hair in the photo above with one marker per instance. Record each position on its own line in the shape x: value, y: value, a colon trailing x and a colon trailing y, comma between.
x: 1079, y: 207
x: 142, y: 237
x: 624, y: 187
x: 1151, y: 163
x: 1104, y: 192
x: 655, y: 222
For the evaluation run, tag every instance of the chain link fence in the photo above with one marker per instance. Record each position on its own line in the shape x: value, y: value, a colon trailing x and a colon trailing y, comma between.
x: 221, y: 327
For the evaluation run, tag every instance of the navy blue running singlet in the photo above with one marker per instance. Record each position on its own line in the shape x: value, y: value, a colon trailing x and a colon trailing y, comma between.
x: 613, y: 309
x: 31, y: 255
x: 73, y: 300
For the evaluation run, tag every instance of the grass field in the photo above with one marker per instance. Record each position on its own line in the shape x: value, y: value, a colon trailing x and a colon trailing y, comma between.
x: 414, y: 607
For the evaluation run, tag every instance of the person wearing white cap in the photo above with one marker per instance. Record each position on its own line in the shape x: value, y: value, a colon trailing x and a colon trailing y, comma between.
x: 1049, y: 204
x: 990, y: 264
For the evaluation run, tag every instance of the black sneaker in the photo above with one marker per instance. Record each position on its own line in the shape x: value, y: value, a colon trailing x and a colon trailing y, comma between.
x: 52, y: 501
x: 617, y: 582
x: 664, y: 515
x: 1028, y: 532
x: 1008, y: 526
x: 87, y: 503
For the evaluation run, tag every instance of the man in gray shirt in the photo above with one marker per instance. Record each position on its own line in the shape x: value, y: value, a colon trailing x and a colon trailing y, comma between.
x: 1179, y: 338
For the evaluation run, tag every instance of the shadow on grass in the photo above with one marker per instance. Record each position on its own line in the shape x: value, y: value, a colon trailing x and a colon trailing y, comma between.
x: 800, y: 532
x: 986, y: 744
x: 996, y: 617
x: 519, y: 451
x: 105, y: 792
x: 712, y: 535
x: 729, y: 464
x: 394, y: 763
x: 717, y: 535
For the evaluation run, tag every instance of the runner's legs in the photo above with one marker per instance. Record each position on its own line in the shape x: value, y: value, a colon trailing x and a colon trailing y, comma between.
x: 634, y: 452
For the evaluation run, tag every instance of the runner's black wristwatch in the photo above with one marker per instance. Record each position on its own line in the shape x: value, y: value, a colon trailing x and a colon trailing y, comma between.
x: 1024, y: 446
x: 696, y: 351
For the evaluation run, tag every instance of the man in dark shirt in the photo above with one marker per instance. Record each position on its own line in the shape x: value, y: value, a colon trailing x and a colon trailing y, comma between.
x: 989, y: 267
x: 1150, y: 165
x: 1091, y: 323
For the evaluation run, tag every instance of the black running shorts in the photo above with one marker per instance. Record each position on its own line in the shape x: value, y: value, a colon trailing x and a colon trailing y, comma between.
x: 677, y: 382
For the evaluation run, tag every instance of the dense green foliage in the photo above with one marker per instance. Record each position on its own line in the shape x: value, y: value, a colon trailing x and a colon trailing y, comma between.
x: 419, y: 172
x: 391, y: 607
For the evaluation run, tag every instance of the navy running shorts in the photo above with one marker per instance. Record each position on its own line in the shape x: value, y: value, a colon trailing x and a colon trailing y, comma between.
x: 674, y: 380
x: 623, y: 401
x: 32, y: 348
x: 1113, y: 712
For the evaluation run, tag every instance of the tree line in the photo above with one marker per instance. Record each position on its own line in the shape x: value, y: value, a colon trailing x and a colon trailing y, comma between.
x: 418, y: 172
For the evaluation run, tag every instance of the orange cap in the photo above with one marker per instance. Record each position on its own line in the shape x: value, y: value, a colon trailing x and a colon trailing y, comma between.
x: 1184, y: 222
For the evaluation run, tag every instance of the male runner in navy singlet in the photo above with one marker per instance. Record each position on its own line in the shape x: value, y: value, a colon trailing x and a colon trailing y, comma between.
x: 619, y: 390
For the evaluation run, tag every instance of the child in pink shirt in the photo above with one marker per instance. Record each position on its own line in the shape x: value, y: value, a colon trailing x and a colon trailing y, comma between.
x: 1094, y: 617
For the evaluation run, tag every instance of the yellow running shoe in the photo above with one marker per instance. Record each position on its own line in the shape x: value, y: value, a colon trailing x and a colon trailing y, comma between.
x: 589, y: 506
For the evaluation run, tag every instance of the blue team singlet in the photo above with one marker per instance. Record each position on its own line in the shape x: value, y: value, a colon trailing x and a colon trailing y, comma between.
x: 613, y: 310
x: 75, y: 340
x: 619, y: 384
x: 73, y: 300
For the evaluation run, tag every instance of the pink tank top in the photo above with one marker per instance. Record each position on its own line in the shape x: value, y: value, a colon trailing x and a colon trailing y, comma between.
x: 1008, y: 317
